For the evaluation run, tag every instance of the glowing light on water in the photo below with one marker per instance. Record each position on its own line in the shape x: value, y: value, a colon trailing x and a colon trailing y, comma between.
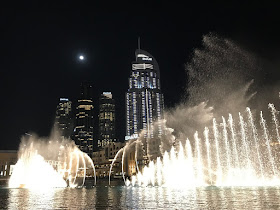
x: 32, y: 171
x: 50, y: 164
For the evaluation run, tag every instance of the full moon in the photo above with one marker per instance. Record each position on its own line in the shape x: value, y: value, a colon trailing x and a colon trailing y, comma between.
x: 81, y: 57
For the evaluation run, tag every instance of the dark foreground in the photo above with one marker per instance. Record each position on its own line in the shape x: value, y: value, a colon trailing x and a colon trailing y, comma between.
x: 121, y: 197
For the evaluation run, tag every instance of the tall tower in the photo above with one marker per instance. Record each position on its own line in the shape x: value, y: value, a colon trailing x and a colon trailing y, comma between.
x: 106, y: 119
x: 84, y: 120
x: 144, y: 100
x: 63, y: 118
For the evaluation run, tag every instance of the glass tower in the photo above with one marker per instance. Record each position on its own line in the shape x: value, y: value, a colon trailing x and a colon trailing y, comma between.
x: 144, y: 100
x: 84, y: 120
x: 63, y: 117
x: 106, y: 119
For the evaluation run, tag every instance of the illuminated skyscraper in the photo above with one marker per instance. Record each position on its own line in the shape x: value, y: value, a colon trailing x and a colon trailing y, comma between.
x: 106, y: 119
x: 63, y: 118
x: 83, y: 132
x: 144, y: 100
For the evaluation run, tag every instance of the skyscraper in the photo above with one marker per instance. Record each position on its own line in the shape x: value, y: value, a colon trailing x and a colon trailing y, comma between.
x: 84, y: 120
x: 63, y: 118
x: 106, y: 132
x: 144, y: 100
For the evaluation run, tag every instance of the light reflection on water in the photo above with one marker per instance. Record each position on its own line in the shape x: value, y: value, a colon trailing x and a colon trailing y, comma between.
x: 121, y: 197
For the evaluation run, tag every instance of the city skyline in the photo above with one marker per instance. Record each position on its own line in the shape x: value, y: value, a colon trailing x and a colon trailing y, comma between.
x: 42, y: 45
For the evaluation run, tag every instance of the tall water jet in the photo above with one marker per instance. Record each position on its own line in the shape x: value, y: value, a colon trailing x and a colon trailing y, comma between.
x: 112, y: 164
x: 274, y: 112
x: 123, y: 163
x: 267, y: 142
x: 206, y: 136
x: 244, y: 140
x: 159, y: 171
x: 219, y: 168
x: 199, y: 160
x: 256, y: 141
x: 190, y: 163
x: 136, y: 155
x: 225, y: 135
x: 233, y: 136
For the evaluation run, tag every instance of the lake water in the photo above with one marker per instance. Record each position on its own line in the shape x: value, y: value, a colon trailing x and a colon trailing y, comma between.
x: 121, y: 197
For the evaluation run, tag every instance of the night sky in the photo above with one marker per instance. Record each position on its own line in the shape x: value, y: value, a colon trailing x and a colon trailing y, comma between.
x: 40, y: 45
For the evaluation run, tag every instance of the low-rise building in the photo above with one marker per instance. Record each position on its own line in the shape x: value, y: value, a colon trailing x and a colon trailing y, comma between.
x: 103, y: 159
x: 8, y: 159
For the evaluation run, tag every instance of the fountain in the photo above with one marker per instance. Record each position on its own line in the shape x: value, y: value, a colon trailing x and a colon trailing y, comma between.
x: 50, y: 163
x: 237, y: 146
x: 244, y: 160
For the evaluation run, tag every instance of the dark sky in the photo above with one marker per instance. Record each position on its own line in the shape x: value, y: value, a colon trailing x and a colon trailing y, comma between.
x: 40, y: 44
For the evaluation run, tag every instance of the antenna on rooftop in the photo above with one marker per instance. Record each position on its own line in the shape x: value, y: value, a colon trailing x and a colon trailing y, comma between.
x: 139, y: 43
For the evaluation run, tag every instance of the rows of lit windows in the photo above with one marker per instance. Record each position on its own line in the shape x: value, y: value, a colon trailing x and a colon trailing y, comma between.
x: 127, y: 114
x: 159, y: 114
x: 142, y: 66
x: 143, y: 99
x: 134, y: 104
x: 143, y: 82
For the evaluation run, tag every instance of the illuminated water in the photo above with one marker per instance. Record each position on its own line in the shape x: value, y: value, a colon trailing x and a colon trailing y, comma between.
x: 235, y: 153
x: 54, y: 162
x: 121, y: 197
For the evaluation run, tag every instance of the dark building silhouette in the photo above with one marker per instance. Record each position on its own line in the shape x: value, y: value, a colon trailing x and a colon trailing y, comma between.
x: 106, y: 117
x: 64, y: 117
x: 84, y: 132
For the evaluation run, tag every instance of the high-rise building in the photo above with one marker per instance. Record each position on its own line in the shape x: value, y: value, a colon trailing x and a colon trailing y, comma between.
x: 83, y: 132
x: 106, y: 132
x: 144, y: 100
x: 63, y: 118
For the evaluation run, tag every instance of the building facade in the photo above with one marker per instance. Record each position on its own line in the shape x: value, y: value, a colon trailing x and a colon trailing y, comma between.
x: 83, y: 132
x: 103, y: 158
x: 8, y: 159
x: 144, y: 100
x: 106, y: 133
x: 63, y: 118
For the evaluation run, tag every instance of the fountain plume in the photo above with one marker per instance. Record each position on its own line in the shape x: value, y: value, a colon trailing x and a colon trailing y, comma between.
x: 50, y: 162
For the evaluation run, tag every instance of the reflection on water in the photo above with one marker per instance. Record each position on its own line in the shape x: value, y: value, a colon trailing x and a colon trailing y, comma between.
x: 121, y: 197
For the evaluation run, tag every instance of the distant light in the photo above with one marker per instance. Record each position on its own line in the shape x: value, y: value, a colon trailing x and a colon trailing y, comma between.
x: 81, y: 57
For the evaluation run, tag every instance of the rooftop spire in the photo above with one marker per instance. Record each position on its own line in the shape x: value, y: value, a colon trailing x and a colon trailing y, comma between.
x: 139, y: 43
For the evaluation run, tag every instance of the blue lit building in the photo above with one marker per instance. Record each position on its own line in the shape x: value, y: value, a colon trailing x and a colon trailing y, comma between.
x: 144, y: 100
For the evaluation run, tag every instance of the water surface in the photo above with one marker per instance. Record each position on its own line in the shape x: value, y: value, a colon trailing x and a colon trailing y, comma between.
x: 121, y: 197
